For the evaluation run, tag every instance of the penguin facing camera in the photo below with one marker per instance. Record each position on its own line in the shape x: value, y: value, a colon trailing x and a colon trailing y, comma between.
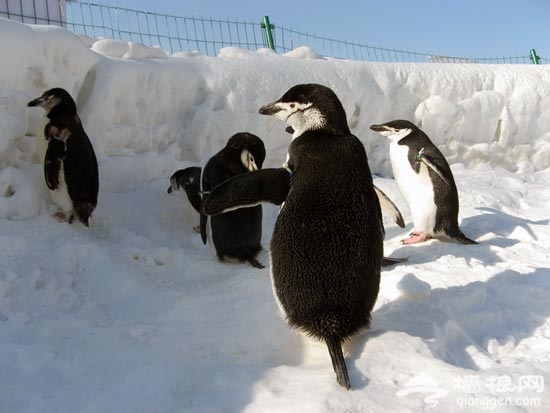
x: 70, y: 164
x: 235, y: 234
x: 326, y: 250
x: 426, y: 182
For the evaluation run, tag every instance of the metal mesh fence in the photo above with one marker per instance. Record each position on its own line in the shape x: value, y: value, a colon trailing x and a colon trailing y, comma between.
x: 288, y: 39
x: 182, y: 33
x: 171, y: 32
x: 34, y: 11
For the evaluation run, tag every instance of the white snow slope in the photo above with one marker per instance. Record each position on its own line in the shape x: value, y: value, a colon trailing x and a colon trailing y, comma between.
x: 134, y: 314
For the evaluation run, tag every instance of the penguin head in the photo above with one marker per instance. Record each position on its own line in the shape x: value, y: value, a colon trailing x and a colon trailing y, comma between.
x: 249, y: 148
x: 309, y: 107
x: 56, y: 97
x: 184, y: 178
x: 395, y: 130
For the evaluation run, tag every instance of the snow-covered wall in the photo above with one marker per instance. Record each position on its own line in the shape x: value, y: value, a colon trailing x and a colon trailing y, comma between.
x: 186, y: 106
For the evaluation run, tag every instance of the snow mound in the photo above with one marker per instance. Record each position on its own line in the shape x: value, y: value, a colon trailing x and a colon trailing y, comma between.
x: 136, y: 312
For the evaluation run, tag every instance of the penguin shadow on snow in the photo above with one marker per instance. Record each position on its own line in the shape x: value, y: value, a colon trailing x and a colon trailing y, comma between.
x: 502, y: 311
x: 491, y: 221
x: 502, y: 224
x: 430, y: 250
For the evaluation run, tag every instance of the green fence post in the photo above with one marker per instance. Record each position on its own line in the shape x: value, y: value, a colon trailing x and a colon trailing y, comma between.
x: 534, y: 56
x: 268, y: 34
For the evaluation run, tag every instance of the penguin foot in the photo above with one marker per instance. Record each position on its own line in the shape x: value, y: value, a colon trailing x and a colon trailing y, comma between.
x: 197, y: 229
x: 60, y: 216
x: 415, y: 238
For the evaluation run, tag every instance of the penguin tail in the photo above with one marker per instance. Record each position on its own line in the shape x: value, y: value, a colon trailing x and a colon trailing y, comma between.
x: 83, y: 212
x: 255, y: 263
x: 334, y: 345
x: 463, y: 239
x: 387, y: 261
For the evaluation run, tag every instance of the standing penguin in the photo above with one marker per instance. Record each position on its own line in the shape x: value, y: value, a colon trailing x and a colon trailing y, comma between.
x: 70, y: 164
x: 236, y: 234
x: 425, y: 180
x: 326, y: 250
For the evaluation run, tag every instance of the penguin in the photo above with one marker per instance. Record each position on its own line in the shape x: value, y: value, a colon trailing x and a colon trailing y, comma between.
x: 70, y: 164
x: 326, y: 250
x: 188, y: 179
x: 425, y: 181
x: 236, y: 234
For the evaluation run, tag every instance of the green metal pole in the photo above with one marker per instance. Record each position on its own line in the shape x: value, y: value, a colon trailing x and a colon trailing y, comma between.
x: 268, y: 33
x: 534, y: 56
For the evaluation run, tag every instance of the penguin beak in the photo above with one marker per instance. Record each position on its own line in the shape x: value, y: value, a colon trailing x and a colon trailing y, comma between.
x: 170, y: 189
x: 383, y: 130
x: 378, y: 128
x: 37, y: 102
x: 270, y: 109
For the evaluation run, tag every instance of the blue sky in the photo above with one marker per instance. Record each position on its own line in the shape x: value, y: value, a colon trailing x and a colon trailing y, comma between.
x: 465, y: 28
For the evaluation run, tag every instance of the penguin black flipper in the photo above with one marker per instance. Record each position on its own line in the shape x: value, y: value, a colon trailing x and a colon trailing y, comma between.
x: 207, y: 183
x: 53, y: 162
x: 248, y: 189
x: 431, y: 163
x: 203, y: 225
x: 434, y: 160
x: 389, y: 207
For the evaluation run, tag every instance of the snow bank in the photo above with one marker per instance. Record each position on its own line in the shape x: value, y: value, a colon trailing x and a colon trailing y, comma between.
x: 130, y: 103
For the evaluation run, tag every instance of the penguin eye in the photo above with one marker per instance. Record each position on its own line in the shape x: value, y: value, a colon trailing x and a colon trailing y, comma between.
x: 251, y: 158
x: 292, y: 105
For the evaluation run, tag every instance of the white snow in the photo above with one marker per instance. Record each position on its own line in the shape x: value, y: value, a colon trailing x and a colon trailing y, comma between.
x: 134, y: 314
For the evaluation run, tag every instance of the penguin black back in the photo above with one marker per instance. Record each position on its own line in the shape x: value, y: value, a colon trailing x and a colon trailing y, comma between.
x: 327, y: 246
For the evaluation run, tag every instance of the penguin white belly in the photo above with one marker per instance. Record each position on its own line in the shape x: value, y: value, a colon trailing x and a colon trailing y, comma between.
x: 60, y: 195
x: 417, y: 189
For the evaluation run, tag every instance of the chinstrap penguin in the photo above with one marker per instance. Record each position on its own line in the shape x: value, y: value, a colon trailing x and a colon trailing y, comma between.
x: 188, y: 179
x: 236, y: 234
x: 426, y: 182
x: 70, y: 164
x: 326, y: 249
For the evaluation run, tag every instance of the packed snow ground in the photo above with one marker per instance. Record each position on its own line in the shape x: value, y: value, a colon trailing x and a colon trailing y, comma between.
x: 136, y: 315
